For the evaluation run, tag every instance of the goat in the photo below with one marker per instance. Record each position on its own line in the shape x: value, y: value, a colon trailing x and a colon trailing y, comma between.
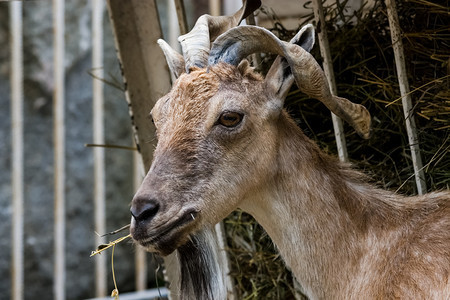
x: 225, y: 142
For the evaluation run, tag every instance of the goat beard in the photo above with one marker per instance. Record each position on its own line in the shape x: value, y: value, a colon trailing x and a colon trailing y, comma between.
x: 200, y: 270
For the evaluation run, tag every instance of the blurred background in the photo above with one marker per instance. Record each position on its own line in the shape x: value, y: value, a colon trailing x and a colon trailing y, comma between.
x: 364, y: 66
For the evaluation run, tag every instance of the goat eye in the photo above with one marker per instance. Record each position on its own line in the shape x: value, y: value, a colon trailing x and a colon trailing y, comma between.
x: 230, y: 119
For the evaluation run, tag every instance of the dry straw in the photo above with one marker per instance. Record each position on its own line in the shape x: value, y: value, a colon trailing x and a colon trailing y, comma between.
x: 103, y: 247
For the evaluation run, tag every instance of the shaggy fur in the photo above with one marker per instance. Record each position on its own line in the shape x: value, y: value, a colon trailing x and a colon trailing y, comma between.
x: 205, y: 282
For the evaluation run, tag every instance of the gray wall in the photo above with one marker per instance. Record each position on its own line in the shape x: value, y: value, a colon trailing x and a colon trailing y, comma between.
x: 38, y: 161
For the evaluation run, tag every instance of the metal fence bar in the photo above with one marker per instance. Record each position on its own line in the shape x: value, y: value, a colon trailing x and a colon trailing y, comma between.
x: 214, y: 7
x: 153, y: 294
x: 141, y: 268
x: 140, y: 256
x: 410, y: 123
x: 174, y: 25
x: 59, y: 150
x: 224, y: 262
x: 329, y: 73
x: 256, y: 57
x: 98, y: 8
x: 15, y: 11
x: 231, y: 6
x: 181, y: 16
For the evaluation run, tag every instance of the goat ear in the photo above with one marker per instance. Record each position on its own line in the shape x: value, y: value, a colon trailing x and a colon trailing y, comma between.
x: 279, y: 79
x: 305, y: 38
x: 175, y: 61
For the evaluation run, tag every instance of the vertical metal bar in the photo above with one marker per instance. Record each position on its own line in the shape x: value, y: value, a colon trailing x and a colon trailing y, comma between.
x: 175, y: 25
x: 256, y: 57
x: 98, y: 138
x: 410, y: 123
x: 329, y: 73
x: 214, y: 7
x: 181, y: 16
x: 231, y: 6
x: 224, y: 260
x: 59, y: 150
x: 140, y: 255
x: 15, y: 11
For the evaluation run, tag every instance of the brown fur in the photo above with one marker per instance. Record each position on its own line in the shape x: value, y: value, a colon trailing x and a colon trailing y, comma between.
x: 341, y: 237
x: 380, y: 244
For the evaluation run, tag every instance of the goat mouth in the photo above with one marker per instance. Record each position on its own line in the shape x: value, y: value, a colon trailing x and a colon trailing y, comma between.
x: 168, y: 237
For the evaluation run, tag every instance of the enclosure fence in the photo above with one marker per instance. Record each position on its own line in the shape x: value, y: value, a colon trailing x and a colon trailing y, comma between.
x: 17, y: 151
x: 17, y: 146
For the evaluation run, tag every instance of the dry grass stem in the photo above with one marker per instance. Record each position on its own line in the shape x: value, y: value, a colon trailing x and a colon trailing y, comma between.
x: 111, y: 146
x: 103, y: 247
x: 115, y: 292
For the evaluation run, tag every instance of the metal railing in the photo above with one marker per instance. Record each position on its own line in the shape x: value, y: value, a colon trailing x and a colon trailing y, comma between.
x: 17, y: 151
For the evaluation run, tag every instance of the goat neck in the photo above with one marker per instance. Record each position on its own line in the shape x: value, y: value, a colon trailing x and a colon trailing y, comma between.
x: 336, y: 232
x: 299, y: 210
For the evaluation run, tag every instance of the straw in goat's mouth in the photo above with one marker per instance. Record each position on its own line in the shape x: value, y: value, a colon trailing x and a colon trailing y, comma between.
x: 103, y: 247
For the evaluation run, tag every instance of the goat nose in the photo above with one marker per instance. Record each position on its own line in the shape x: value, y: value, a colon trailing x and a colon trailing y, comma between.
x: 144, y: 210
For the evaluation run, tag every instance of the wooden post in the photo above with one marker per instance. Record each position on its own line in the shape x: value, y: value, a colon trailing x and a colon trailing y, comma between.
x: 136, y: 29
x: 410, y: 123
x: 59, y: 149
x: 15, y: 11
x: 98, y: 9
x: 145, y: 73
x: 329, y: 73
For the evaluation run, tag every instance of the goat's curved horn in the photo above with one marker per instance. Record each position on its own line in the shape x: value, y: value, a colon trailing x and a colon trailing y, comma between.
x: 280, y: 76
x: 175, y: 60
x: 237, y: 43
x: 196, y: 43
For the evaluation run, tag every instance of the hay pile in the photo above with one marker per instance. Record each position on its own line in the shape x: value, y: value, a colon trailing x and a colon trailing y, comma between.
x: 365, y: 73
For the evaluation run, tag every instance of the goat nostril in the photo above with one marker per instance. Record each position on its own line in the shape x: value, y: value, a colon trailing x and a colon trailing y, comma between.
x: 145, y: 211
